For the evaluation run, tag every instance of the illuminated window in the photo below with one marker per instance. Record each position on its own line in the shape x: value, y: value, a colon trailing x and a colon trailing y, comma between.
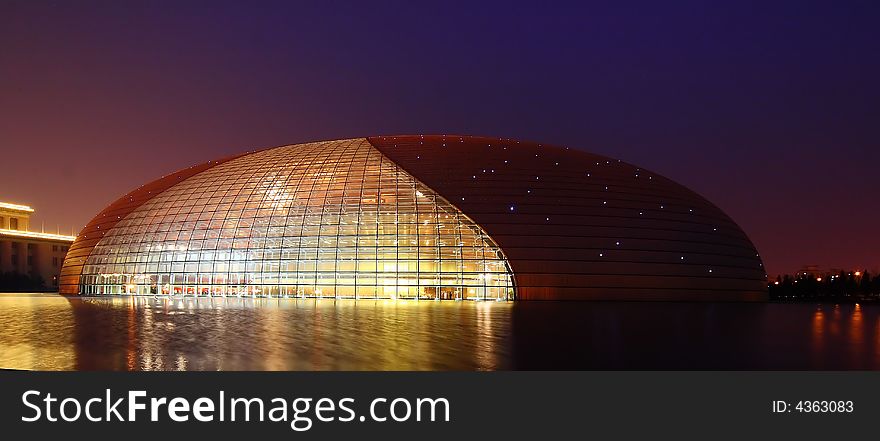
x: 328, y: 219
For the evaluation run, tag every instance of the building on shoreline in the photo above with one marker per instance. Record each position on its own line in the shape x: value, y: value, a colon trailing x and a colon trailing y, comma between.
x: 31, y: 256
x: 416, y: 217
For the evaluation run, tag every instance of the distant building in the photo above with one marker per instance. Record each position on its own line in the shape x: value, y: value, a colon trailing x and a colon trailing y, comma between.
x: 818, y: 271
x: 27, y: 252
x: 811, y: 270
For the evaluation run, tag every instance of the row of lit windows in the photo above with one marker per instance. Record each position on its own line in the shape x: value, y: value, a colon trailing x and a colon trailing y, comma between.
x: 373, y: 253
x: 316, y: 175
x: 303, y: 187
x: 269, y: 266
x: 310, y: 291
x: 367, y: 207
x: 301, y: 229
x: 182, y: 242
x: 348, y: 243
x: 331, y: 213
x: 341, y: 278
x: 287, y: 249
x: 368, y: 210
x: 297, y: 201
x: 285, y: 255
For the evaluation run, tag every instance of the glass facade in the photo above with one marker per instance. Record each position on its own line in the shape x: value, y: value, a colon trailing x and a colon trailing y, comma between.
x: 333, y: 219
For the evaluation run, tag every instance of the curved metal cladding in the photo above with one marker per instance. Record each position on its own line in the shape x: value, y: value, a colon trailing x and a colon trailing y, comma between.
x: 85, y: 242
x: 324, y: 219
x: 575, y: 225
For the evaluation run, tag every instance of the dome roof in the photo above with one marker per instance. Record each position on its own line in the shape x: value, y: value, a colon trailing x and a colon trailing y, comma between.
x: 449, y: 217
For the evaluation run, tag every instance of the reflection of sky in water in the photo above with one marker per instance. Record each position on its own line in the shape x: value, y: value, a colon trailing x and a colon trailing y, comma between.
x: 146, y: 333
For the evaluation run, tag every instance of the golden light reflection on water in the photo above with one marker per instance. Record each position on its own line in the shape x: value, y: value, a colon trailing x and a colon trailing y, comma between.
x: 50, y: 332
x: 877, y: 345
x: 818, y: 336
x: 844, y: 331
x: 146, y: 333
x: 35, y: 333
x: 856, y: 334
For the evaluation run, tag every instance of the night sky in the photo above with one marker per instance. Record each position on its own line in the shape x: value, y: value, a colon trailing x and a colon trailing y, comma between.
x: 772, y: 111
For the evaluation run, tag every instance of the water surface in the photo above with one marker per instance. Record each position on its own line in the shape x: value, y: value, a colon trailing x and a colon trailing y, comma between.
x: 49, y: 332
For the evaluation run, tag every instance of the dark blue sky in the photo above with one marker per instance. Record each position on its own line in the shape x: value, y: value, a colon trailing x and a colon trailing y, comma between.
x: 769, y: 109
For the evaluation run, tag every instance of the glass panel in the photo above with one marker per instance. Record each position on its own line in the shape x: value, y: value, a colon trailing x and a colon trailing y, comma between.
x: 326, y: 219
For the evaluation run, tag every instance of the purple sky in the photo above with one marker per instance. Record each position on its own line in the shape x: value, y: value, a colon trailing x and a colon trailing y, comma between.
x: 772, y: 111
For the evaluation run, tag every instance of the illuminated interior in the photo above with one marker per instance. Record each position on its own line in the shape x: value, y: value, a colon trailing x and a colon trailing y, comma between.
x: 332, y: 219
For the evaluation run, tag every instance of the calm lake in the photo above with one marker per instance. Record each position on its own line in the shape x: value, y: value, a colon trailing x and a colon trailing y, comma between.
x: 49, y: 332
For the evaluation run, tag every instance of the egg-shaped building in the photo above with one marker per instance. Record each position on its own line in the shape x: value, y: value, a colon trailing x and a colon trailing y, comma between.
x: 416, y: 217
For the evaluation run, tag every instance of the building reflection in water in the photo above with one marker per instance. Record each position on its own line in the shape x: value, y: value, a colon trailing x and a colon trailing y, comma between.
x: 163, y: 333
x: 169, y: 333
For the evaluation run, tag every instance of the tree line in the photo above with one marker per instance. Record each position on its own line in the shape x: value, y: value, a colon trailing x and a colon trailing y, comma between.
x: 17, y: 282
x: 845, y: 285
